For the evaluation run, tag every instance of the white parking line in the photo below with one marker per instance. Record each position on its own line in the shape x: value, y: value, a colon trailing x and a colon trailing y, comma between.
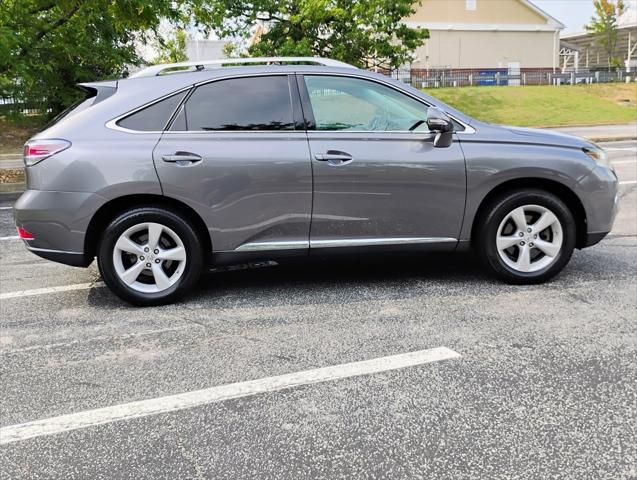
x: 628, y: 182
x: 42, y: 291
x: 624, y: 162
x: 13, y: 237
x: 6, y: 208
x: 181, y: 401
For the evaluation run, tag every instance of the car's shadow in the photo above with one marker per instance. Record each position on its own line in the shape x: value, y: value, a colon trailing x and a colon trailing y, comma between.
x: 323, y: 276
x: 340, y: 278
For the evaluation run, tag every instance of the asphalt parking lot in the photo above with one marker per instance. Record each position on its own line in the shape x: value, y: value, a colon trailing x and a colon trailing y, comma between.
x: 535, y: 381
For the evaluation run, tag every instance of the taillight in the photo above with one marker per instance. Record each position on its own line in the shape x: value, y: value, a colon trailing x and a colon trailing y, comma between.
x: 37, y: 150
x: 24, y: 235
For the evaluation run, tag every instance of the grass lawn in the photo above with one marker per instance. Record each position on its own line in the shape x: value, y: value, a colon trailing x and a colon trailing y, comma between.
x: 545, y: 106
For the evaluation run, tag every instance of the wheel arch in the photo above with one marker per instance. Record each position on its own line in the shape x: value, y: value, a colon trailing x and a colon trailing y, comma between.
x: 114, y: 207
x: 563, y: 192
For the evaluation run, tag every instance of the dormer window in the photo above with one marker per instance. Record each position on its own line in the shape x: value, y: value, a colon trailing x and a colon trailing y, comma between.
x: 471, y: 4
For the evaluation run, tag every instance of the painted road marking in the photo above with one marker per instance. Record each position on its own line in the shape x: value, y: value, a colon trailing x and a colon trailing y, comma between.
x: 629, y: 182
x: 623, y: 162
x: 13, y: 237
x: 42, y: 291
x: 6, y: 208
x: 181, y: 401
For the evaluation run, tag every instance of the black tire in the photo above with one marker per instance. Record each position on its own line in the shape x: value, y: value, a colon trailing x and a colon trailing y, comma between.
x: 179, y: 225
x: 493, y: 215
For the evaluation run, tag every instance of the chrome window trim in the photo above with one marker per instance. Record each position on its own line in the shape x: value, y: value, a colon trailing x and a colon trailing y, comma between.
x: 112, y: 124
x: 346, y: 242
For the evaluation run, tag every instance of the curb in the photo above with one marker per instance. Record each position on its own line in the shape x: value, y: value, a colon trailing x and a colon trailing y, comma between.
x: 12, y: 188
x: 612, y: 139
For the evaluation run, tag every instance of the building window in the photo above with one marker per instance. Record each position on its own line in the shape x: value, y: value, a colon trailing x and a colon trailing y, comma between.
x: 471, y: 4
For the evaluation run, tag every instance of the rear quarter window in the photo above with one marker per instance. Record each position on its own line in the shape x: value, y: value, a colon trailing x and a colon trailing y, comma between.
x: 261, y: 103
x: 155, y: 117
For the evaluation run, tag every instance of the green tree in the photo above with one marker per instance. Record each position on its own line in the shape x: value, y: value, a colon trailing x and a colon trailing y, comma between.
x: 366, y: 33
x: 605, y: 27
x: 47, y: 46
x: 171, y: 50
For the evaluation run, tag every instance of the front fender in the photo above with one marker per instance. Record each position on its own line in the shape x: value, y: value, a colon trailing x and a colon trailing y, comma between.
x: 490, y: 165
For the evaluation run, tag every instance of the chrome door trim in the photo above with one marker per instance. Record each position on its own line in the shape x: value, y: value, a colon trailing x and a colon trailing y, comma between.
x: 347, y: 242
x: 369, y: 242
x: 261, y: 246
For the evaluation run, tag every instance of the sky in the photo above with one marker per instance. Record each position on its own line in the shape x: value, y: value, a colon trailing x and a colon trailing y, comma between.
x: 572, y: 13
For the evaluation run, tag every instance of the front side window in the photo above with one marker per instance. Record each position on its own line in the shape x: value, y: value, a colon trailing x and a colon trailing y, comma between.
x: 248, y: 103
x: 345, y: 103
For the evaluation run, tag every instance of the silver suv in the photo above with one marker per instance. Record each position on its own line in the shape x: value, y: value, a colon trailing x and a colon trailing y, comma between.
x: 186, y: 165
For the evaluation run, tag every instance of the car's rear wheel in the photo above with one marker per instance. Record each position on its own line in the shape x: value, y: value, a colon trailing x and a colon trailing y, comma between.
x: 150, y: 256
x: 526, y: 236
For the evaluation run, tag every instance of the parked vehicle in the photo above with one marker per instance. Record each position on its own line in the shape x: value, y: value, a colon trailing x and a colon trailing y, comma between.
x: 183, y: 165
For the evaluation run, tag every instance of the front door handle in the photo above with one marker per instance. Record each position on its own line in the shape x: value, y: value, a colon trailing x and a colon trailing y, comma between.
x: 182, y: 158
x: 334, y: 157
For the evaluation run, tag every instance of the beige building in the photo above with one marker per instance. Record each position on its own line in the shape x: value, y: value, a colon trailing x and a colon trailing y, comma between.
x: 486, y: 34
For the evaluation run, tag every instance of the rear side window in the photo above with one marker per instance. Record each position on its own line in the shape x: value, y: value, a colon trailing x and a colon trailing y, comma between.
x: 155, y: 117
x: 249, y: 103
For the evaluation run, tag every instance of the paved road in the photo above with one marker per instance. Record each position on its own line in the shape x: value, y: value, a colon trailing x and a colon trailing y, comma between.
x: 544, y: 386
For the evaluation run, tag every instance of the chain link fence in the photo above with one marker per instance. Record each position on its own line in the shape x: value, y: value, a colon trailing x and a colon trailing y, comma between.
x: 502, y: 77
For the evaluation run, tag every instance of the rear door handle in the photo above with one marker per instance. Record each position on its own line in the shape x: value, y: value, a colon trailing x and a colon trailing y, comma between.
x: 334, y: 157
x: 182, y: 158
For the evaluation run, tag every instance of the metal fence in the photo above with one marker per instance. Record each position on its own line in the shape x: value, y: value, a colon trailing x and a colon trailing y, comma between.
x: 426, y: 78
x: 15, y: 106
x: 437, y: 78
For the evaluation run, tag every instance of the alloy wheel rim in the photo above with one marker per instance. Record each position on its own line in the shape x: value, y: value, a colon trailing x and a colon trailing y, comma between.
x: 149, y: 257
x: 529, y: 238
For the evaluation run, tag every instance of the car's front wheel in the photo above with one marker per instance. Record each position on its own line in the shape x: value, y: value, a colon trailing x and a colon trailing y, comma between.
x: 150, y: 256
x: 526, y: 236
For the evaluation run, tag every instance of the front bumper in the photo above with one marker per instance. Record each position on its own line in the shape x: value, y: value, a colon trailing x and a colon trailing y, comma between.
x: 599, y: 194
x: 58, y: 222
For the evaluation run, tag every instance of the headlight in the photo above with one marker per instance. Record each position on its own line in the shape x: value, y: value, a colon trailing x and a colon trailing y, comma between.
x: 597, y: 154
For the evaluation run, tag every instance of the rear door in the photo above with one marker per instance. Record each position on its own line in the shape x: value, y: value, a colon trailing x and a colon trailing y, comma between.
x: 237, y: 153
x: 376, y: 182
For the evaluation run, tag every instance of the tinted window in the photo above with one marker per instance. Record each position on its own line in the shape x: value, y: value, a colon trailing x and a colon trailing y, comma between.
x: 250, y: 103
x: 344, y: 103
x: 153, y: 118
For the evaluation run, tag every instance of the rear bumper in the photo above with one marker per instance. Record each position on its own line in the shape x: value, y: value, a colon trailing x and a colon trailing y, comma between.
x: 58, y: 222
x: 74, y: 259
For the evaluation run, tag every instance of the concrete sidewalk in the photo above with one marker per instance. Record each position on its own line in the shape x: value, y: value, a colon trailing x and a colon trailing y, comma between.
x: 603, y: 133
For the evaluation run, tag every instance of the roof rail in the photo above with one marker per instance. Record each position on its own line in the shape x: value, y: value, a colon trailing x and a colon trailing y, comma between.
x: 201, y: 64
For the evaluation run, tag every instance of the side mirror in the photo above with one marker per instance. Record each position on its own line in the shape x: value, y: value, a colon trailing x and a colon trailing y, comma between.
x: 440, y: 123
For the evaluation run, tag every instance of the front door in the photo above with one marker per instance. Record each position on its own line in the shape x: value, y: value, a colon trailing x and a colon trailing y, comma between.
x: 237, y: 156
x: 378, y: 179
